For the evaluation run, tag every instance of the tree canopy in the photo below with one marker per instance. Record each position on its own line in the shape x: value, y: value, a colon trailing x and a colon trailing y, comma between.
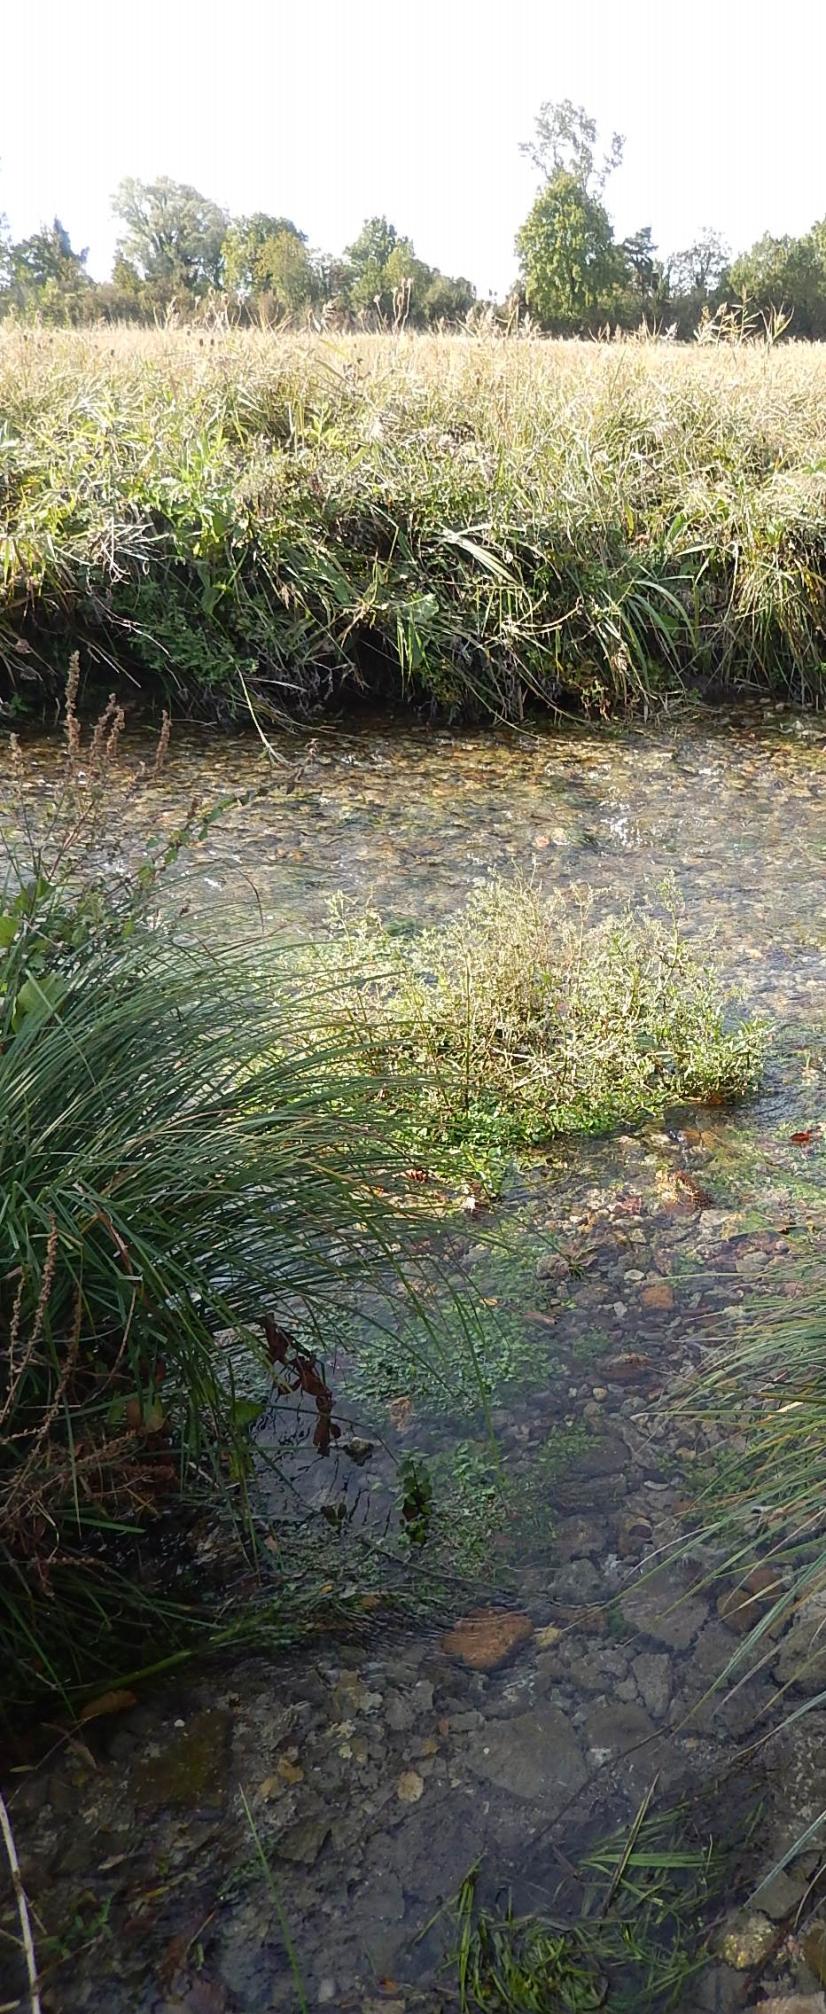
x: 172, y: 234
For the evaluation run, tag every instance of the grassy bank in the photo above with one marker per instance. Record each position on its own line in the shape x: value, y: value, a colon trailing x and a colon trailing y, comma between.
x: 469, y: 523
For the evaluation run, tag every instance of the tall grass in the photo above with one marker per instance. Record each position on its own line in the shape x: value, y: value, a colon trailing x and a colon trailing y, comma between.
x: 192, y: 1192
x: 472, y: 523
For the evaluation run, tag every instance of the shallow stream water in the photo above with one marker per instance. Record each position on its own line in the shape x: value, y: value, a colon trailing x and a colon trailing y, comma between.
x: 379, y: 1767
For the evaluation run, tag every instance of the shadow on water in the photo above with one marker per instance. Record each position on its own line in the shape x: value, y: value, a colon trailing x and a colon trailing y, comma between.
x: 380, y: 1765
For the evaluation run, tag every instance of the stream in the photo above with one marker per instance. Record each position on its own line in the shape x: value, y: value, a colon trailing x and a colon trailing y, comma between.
x: 381, y: 1762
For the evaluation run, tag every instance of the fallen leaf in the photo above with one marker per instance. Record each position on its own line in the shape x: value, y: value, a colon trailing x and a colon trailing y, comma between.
x: 400, y: 1411
x: 108, y: 1702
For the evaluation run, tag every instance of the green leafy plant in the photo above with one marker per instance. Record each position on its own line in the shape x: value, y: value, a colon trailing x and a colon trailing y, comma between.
x: 525, y: 1018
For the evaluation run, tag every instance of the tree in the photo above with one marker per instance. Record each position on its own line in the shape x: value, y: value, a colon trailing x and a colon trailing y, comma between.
x: 47, y: 276
x: 247, y: 250
x: 173, y: 235
x: 700, y: 268
x: 787, y: 273
x: 446, y: 300
x: 373, y: 281
x: 570, y: 264
x: 287, y: 276
x: 565, y: 141
x: 384, y: 273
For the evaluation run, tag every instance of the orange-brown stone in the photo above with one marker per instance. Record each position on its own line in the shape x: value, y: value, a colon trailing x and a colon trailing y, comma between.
x: 658, y: 1295
x: 487, y: 1638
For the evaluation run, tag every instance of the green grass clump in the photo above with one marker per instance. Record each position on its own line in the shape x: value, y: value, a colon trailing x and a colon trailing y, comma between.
x: 471, y: 523
x: 525, y: 1018
x: 188, y: 1182
x: 635, y: 1945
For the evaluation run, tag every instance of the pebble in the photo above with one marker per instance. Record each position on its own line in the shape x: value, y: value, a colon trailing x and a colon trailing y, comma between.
x: 410, y: 1786
x: 746, y: 1939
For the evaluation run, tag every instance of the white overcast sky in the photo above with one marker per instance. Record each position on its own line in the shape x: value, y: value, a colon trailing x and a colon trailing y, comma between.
x: 332, y: 110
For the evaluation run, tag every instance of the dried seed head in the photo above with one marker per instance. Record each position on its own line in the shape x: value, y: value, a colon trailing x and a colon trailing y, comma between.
x: 162, y: 749
x: 72, y: 724
x: 102, y: 726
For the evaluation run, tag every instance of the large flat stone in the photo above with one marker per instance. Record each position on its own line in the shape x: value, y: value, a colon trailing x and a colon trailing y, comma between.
x: 535, y: 1756
x: 662, y: 1609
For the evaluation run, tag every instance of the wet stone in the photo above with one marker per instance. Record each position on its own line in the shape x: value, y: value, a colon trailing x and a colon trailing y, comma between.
x: 746, y: 1939
x: 790, y: 2003
x: 487, y: 1638
x: 303, y: 1842
x: 781, y: 1894
x: 535, y: 1756
x: 191, y: 1768
x: 663, y: 1609
x: 653, y: 1676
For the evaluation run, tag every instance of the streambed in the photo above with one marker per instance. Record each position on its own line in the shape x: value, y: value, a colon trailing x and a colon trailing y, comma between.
x: 380, y: 1765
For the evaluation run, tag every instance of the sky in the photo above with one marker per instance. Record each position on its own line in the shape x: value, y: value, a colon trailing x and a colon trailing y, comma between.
x: 329, y: 111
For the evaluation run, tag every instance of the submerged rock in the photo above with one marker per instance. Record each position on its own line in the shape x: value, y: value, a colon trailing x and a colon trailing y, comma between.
x: 191, y: 1768
x: 746, y: 1939
x: 535, y: 1756
x: 487, y: 1638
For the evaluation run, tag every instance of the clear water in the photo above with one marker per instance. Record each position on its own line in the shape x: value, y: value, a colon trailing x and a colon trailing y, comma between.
x: 379, y: 1768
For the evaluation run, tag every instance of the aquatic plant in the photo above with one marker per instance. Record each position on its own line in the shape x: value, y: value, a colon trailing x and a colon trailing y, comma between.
x: 475, y: 524
x: 527, y: 1017
x: 636, y: 1940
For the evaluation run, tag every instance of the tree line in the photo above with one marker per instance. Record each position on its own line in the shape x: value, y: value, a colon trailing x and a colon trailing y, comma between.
x: 178, y: 252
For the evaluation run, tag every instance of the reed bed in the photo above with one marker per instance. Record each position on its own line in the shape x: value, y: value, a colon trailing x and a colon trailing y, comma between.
x: 470, y: 524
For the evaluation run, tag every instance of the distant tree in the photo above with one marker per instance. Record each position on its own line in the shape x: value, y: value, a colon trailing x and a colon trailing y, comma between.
x: 372, y: 281
x: 173, y: 236
x: 287, y: 275
x: 640, y: 254
x: 572, y: 270
x: 571, y: 267
x: 697, y: 281
x: 247, y: 260
x: 382, y: 272
x: 47, y: 276
x: 645, y: 292
x: 446, y: 300
x: 786, y: 273
x: 564, y: 142
x: 700, y: 268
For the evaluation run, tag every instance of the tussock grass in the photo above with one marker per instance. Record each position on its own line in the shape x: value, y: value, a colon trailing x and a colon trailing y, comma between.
x: 477, y: 524
x: 527, y: 1017
x: 193, y: 1191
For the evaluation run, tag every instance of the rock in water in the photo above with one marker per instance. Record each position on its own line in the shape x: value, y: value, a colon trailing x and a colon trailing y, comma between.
x: 487, y: 1638
x: 535, y: 1756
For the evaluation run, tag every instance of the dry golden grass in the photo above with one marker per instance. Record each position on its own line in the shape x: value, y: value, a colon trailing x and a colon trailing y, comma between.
x: 472, y: 519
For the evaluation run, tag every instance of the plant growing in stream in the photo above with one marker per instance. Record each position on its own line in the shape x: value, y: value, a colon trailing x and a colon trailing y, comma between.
x: 635, y: 1945
x: 527, y: 1017
x: 182, y: 1170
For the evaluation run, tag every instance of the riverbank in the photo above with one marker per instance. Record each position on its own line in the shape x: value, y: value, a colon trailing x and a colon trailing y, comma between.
x: 473, y: 527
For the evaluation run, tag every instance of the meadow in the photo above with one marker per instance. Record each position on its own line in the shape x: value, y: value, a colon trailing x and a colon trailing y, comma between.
x: 471, y: 524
